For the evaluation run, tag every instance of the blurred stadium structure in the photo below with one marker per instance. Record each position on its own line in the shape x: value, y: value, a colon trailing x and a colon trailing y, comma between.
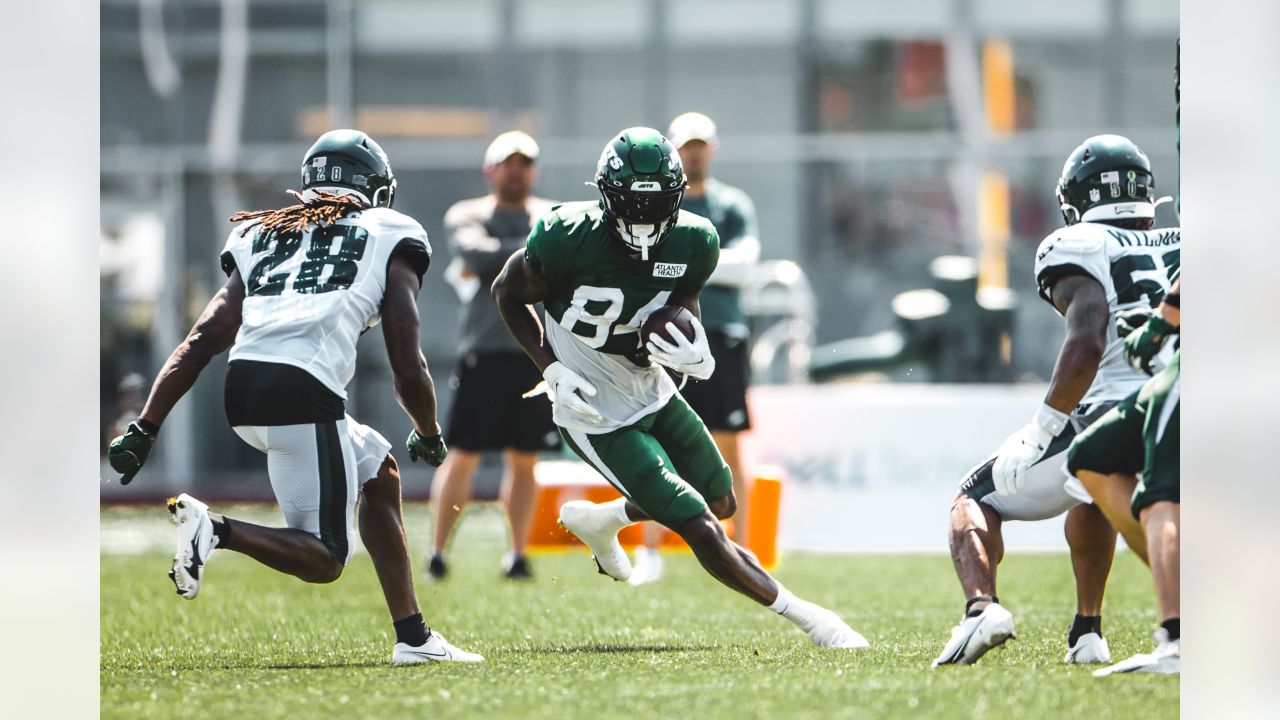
x: 873, y: 135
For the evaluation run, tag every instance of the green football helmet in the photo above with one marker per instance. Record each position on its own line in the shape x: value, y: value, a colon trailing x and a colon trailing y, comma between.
x: 349, y: 162
x: 1106, y: 179
x: 641, y: 182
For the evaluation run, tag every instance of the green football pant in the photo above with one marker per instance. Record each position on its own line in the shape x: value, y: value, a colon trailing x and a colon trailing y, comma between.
x: 1140, y: 435
x: 665, y: 463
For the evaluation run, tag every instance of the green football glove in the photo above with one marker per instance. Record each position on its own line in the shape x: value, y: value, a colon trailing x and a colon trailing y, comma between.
x: 1143, y: 344
x: 1129, y: 321
x: 129, y: 451
x: 430, y: 449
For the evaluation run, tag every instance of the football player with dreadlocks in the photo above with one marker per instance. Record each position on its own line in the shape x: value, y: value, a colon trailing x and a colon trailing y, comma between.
x: 303, y: 282
x: 600, y: 268
x: 1106, y: 261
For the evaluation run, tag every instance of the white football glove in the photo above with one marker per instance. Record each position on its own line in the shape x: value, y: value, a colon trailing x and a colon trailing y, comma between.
x: 569, y: 390
x: 691, y: 357
x: 1024, y: 448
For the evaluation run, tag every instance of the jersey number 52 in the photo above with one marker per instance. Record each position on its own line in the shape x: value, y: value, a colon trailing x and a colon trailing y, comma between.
x: 1136, y: 277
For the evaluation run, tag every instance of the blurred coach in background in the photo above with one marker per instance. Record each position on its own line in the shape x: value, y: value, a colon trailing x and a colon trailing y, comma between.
x: 721, y: 401
x: 492, y: 371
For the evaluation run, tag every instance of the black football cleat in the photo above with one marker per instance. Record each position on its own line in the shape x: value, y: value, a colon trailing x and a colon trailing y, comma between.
x: 437, y: 568
x: 517, y: 568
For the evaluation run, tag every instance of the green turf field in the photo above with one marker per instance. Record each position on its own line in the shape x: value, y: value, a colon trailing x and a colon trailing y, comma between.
x: 260, y: 645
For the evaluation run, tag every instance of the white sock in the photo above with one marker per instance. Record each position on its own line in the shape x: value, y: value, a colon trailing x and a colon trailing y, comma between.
x: 801, y: 612
x: 783, y: 601
x: 619, y: 510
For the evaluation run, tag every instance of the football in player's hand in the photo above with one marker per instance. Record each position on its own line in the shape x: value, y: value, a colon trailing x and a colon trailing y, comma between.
x: 656, y: 324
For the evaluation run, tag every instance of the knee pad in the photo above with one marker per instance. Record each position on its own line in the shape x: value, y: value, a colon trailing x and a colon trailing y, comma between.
x: 1080, y: 458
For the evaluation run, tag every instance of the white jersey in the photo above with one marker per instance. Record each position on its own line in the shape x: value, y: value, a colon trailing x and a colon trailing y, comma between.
x: 309, y: 295
x: 625, y: 391
x: 1136, y: 269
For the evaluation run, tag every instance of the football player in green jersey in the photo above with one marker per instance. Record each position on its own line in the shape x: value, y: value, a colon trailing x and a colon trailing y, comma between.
x: 600, y: 268
x: 721, y: 401
x: 1140, y: 436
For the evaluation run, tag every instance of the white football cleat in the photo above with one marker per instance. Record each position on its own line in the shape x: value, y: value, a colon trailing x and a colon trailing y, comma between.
x: 595, y: 525
x: 196, y: 542
x: 974, y: 636
x: 648, y: 566
x: 1090, y: 649
x: 1165, y: 660
x: 829, y: 631
x: 435, y: 649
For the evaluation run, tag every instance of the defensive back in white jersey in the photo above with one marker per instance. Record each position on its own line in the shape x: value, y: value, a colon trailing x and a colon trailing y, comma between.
x: 1136, y: 268
x: 309, y: 295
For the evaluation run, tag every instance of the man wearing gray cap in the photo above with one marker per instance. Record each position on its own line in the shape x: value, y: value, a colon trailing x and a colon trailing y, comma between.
x: 492, y: 371
x: 720, y: 401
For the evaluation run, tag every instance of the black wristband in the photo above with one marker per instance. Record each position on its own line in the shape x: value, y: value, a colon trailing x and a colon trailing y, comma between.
x: 147, y: 426
x: 1173, y: 300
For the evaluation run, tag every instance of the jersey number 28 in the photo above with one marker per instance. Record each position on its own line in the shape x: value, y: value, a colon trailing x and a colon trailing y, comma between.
x: 339, y: 247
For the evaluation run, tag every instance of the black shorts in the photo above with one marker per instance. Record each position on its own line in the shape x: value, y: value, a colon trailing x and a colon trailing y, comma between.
x: 488, y: 410
x: 721, y: 400
x: 269, y: 394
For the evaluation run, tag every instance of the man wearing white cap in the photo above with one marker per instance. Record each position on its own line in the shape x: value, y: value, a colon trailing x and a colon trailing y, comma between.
x: 492, y: 372
x: 721, y: 401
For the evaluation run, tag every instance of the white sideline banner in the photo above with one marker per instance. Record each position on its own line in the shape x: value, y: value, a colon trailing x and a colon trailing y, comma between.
x: 875, y: 467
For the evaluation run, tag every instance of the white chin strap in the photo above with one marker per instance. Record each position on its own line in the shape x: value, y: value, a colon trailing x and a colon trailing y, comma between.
x: 640, y: 237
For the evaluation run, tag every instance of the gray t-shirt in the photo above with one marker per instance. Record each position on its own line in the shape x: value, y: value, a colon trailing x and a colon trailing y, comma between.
x: 484, y: 236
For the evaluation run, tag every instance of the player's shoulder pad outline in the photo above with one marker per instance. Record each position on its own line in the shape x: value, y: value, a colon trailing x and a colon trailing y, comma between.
x: 688, y: 222
x: 1076, y: 240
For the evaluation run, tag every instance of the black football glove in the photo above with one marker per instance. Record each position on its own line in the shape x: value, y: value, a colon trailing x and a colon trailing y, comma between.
x: 129, y: 451
x: 431, y: 449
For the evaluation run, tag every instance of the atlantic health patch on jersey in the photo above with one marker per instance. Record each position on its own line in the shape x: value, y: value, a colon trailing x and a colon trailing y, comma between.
x: 669, y: 270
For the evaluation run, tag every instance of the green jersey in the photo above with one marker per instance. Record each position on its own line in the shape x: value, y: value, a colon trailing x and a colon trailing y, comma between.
x: 602, y: 294
x: 734, y: 217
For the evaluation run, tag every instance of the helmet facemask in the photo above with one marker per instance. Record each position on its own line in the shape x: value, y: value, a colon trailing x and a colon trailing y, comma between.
x: 640, y: 218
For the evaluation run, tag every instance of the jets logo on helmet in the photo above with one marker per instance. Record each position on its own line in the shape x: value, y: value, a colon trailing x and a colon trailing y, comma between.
x: 641, y: 182
x: 611, y: 156
x: 349, y: 162
x: 1105, y: 178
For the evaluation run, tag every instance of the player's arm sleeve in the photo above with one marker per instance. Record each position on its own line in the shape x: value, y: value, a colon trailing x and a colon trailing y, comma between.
x: 549, y: 250
x: 470, y: 240
x: 417, y: 251
x: 236, y: 241
x: 740, y: 252
x: 411, y: 243
x: 700, y: 270
x: 1071, y: 251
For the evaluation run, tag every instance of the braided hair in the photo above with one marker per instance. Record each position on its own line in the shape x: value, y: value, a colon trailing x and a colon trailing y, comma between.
x: 321, y: 209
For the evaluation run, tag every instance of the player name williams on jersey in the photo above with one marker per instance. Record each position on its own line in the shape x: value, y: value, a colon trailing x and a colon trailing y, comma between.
x: 603, y: 294
x: 309, y: 294
x: 1135, y: 267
